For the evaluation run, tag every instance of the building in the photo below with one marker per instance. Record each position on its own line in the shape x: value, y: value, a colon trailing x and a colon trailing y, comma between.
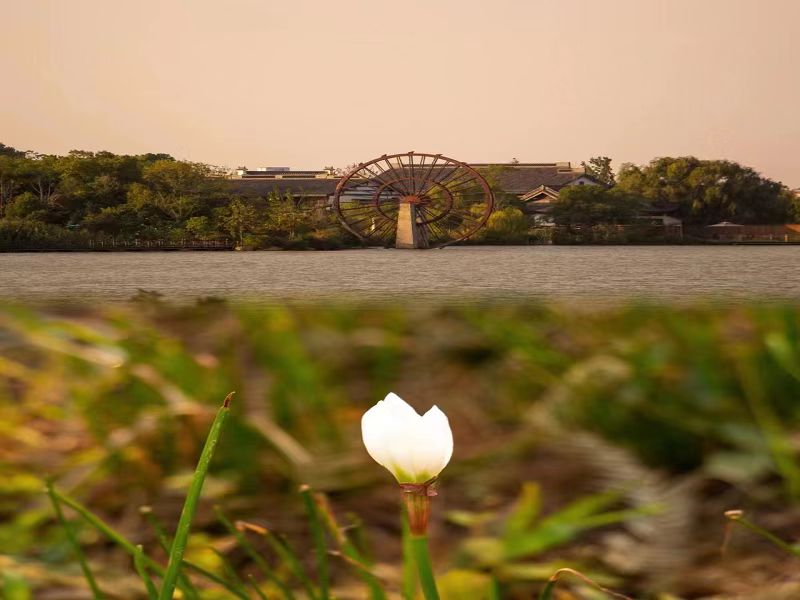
x: 536, y: 184
x: 281, y: 173
x: 315, y: 187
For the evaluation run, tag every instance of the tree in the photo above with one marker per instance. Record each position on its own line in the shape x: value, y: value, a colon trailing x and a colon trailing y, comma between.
x: 795, y: 202
x: 178, y: 190
x: 582, y: 206
x: 10, y: 174
x: 708, y: 191
x: 9, y: 151
x: 42, y: 174
x: 508, y: 225
x: 239, y: 218
x: 599, y: 167
x: 27, y: 206
x: 121, y: 220
x: 198, y: 227
x: 494, y: 175
x: 285, y: 218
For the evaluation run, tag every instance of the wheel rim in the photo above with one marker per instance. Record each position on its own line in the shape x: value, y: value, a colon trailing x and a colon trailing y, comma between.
x: 453, y: 201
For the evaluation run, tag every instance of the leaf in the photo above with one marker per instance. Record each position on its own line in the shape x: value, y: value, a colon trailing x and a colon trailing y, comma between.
x: 466, y: 518
x: 526, y: 509
x: 76, y: 547
x: 738, y: 467
x: 320, y: 541
x: 15, y: 587
x: 486, y: 551
x: 463, y: 584
x: 190, y: 504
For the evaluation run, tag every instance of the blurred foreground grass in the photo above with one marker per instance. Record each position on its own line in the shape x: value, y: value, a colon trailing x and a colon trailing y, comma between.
x: 609, y: 441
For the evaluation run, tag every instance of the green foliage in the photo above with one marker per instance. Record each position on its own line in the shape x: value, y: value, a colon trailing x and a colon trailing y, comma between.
x: 31, y: 233
x: 9, y: 151
x: 181, y: 538
x: 14, y: 587
x: 599, y: 167
x: 155, y: 197
x: 26, y: 206
x: 494, y: 175
x: 689, y: 390
x: 114, y: 220
x: 590, y: 205
x: 176, y: 190
x: 87, y: 572
x: 504, y: 545
x: 507, y: 226
x: 91, y: 199
x: 709, y: 191
x: 239, y: 218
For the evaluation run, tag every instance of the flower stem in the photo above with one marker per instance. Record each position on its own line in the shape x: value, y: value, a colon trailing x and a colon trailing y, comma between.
x: 419, y: 549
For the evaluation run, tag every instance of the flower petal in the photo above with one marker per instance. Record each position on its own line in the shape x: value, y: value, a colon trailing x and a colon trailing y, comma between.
x: 414, y: 448
x: 440, y: 436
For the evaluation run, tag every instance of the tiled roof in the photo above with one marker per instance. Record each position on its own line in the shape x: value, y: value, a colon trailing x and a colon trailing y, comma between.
x: 312, y: 186
x: 521, y: 179
x: 514, y: 179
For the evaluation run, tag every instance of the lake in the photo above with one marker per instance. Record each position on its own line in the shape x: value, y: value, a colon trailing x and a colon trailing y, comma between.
x: 603, y: 274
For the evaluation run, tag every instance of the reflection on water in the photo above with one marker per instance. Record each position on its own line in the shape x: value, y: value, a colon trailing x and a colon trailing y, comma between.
x: 462, y: 275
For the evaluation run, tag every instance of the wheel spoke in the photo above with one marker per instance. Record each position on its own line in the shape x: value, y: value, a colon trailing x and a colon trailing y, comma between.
x: 380, y: 177
x: 393, y: 170
x: 455, y: 199
x: 383, y: 228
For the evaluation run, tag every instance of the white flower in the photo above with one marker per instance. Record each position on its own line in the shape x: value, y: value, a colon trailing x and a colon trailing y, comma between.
x: 414, y: 448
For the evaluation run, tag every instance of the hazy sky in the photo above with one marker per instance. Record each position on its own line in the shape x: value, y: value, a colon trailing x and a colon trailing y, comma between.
x: 309, y: 83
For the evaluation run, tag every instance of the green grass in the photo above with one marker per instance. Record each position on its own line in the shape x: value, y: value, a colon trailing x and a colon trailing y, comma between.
x: 115, y: 403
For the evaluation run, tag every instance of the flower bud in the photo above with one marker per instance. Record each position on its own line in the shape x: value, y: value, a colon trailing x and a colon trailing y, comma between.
x: 413, y: 448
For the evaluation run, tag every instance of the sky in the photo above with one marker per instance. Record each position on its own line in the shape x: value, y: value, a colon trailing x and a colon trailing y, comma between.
x: 312, y: 83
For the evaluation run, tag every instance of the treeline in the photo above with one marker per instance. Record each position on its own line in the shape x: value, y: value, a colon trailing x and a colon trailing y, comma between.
x: 697, y: 192
x: 49, y: 201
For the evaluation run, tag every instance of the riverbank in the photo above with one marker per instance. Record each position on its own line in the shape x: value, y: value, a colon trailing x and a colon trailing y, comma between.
x: 228, y: 247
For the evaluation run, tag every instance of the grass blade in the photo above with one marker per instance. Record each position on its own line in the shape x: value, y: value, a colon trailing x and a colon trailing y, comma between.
x: 547, y: 591
x: 230, y: 572
x: 190, y: 505
x: 737, y: 516
x: 211, y: 576
x: 496, y: 591
x: 76, y: 547
x: 141, y: 569
x: 348, y: 550
x: 184, y: 583
x: 320, y: 541
x: 777, y: 439
x: 259, y: 593
x: 254, y: 555
x: 284, y: 552
x: 121, y: 541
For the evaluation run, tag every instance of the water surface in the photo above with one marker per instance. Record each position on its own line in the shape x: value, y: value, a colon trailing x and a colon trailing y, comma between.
x: 583, y: 273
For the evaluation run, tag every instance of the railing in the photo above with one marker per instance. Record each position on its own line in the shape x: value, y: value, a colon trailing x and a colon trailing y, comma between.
x: 112, y: 244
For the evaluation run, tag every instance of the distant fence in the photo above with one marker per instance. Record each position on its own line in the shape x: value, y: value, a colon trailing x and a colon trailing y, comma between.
x: 111, y: 245
x: 161, y: 244
x: 731, y: 232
